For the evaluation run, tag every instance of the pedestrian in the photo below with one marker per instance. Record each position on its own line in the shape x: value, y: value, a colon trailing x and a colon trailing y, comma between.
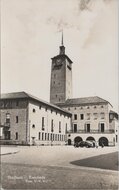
x: 96, y: 145
x: 102, y: 145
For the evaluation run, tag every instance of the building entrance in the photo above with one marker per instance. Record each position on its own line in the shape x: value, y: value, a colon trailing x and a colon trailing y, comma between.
x: 69, y: 141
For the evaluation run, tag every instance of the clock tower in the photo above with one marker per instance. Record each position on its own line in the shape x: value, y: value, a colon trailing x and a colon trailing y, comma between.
x: 61, y: 77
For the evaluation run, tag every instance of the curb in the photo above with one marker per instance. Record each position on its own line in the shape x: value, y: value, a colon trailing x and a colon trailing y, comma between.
x: 8, y: 153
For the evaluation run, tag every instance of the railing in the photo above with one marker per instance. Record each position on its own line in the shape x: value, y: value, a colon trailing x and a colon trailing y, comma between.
x: 91, y: 131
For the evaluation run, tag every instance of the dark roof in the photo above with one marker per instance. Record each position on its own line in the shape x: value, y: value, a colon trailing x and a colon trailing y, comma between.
x: 62, y: 56
x: 14, y: 95
x: 20, y: 95
x: 84, y: 101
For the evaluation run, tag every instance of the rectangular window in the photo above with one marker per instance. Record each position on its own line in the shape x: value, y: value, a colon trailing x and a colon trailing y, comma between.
x: 34, y: 110
x: 42, y: 136
x: 75, y: 116
x: 39, y: 135
x: 81, y: 116
x: 48, y: 136
x: 60, y: 137
x: 16, y: 135
x: 45, y: 136
x: 102, y: 127
x: 75, y: 128
x: 116, y: 138
x: 17, y: 119
x: 51, y: 137
x: 88, y: 128
x: 43, y: 127
x: 59, y: 126
x: 56, y: 137
x: 66, y: 128
x: 52, y: 128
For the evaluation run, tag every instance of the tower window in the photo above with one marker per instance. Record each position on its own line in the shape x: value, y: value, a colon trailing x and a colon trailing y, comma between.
x: 34, y: 110
x: 16, y: 135
x: 17, y: 120
x: 59, y: 99
x: 54, y: 82
x: 56, y: 95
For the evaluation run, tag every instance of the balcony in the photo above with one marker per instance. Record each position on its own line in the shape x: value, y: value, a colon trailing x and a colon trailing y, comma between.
x: 92, y: 131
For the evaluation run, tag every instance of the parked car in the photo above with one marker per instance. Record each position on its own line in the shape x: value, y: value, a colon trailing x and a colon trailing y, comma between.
x: 87, y: 144
x: 76, y: 145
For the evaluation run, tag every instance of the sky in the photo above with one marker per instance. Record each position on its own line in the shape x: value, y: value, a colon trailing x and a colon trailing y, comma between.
x: 31, y: 36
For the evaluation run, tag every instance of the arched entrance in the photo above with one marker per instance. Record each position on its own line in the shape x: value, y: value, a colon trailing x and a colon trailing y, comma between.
x: 77, y: 139
x: 90, y: 139
x: 69, y: 141
x: 103, y: 140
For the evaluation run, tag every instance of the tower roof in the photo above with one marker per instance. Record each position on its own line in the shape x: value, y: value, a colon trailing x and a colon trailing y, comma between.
x: 62, y: 51
x: 62, y: 43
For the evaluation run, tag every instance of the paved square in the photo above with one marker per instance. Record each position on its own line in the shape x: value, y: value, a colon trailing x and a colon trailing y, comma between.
x: 49, y: 167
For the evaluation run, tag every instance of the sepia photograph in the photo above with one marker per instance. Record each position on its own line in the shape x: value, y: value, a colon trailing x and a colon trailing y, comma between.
x: 59, y: 106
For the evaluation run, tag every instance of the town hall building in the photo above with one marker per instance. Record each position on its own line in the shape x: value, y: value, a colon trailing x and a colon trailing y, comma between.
x: 27, y: 120
x: 92, y: 118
